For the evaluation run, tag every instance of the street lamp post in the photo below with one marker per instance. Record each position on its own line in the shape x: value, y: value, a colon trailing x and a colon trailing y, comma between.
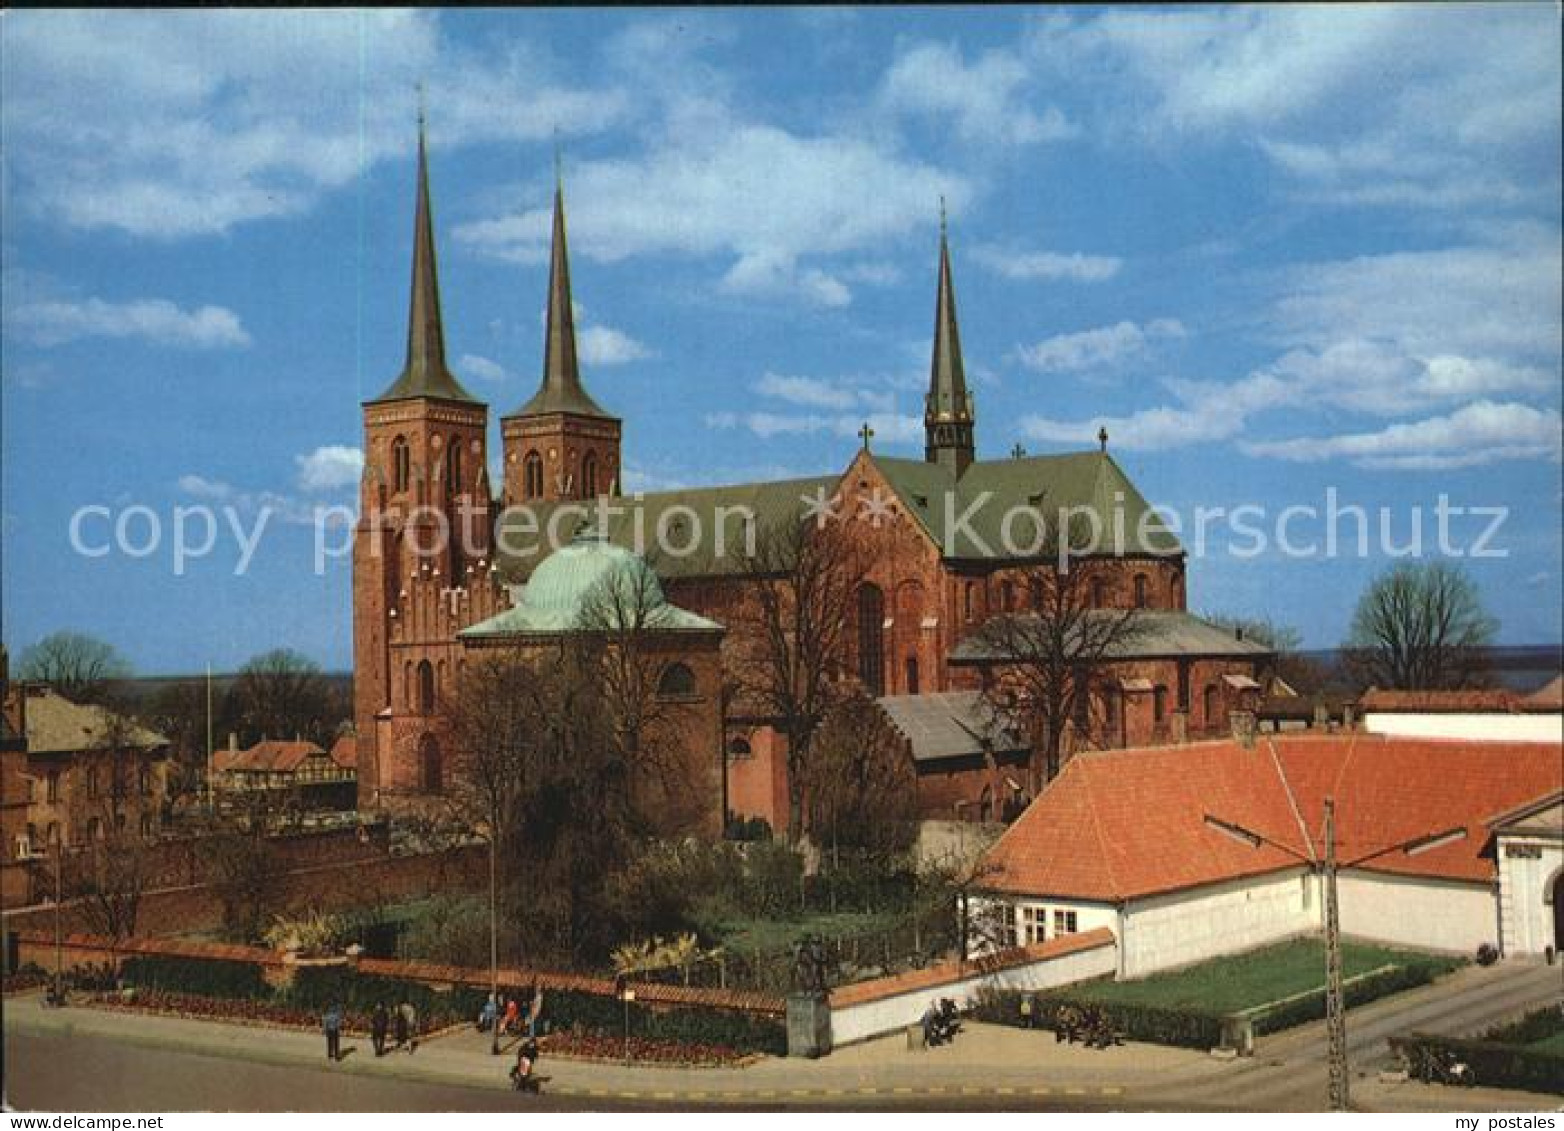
x: 628, y: 996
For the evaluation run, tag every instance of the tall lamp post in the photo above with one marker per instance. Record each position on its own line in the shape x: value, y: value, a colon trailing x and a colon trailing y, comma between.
x: 1335, y: 1005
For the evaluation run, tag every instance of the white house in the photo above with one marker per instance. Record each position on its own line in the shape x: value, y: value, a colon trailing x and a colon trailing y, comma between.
x: 1191, y: 852
x: 1479, y: 715
x: 1530, y: 850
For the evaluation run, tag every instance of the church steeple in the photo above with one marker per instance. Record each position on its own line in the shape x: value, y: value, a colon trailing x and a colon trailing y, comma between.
x: 560, y: 444
x: 561, y: 390
x: 425, y: 373
x: 947, y: 410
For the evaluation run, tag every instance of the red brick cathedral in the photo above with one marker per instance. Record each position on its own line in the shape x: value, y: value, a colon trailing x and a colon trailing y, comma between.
x: 940, y: 570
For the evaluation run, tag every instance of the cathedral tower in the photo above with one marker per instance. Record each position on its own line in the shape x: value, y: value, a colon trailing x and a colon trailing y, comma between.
x: 947, y: 410
x: 425, y: 516
x: 560, y: 444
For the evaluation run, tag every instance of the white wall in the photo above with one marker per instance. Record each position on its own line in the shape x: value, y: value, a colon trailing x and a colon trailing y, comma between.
x: 1181, y: 928
x: 1418, y: 911
x: 1493, y: 726
x: 890, y: 1014
x: 1526, y: 919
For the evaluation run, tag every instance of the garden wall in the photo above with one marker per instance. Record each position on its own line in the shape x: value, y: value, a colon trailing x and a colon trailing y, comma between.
x: 886, y: 1005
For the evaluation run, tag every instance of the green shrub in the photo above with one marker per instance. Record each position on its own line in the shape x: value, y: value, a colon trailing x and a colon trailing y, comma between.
x: 1493, y: 1065
x: 1158, y: 1025
x: 1534, y: 1027
x: 1365, y: 989
x: 206, y: 977
x: 599, y: 1013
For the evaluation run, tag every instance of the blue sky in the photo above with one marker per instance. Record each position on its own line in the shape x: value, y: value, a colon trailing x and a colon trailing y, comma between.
x: 1275, y: 250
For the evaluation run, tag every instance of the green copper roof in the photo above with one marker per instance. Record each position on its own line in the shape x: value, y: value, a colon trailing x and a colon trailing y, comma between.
x: 590, y: 583
x: 425, y: 374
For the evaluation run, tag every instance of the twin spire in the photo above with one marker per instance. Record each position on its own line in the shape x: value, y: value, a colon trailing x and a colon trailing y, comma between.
x: 426, y: 374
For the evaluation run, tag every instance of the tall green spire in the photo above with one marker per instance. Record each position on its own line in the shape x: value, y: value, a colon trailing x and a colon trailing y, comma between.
x: 425, y: 374
x: 561, y: 390
x: 947, y: 410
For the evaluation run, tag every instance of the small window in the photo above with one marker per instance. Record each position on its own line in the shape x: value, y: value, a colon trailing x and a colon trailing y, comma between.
x: 53, y: 793
x: 144, y: 780
x: 1064, y: 922
x: 1034, y: 926
x: 148, y: 827
x: 912, y: 675
x: 401, y: 464
x: 970, y: 600
x: 1007, y: 593
x: 532, y: 476
x: 92, y: 782
x: 676, y: 682
x: 453, y: 465
x: 739, y: 748
x: 589, y: 475
x: 1140, y: 590
x: 1099, y: 593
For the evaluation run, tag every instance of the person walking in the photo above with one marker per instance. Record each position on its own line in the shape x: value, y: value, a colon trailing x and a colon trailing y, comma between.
x: 332, y: 1024
x: 486, y: 1016
x: 408, y: 1021
x: 399, y: 1025
x: 512, y: 1015
x: 379, y: 1022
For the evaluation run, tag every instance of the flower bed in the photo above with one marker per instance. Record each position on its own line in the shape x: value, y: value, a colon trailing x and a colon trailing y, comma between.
x: 604, y: 1049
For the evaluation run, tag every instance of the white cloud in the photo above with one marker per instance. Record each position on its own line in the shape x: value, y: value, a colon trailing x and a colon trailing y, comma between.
x: 814, y: 392
x: 1379, y: 105
x: 888, y: 427
x: 482, y: 368
x: 1090, y: 349
x: 330, y: 467
x: 170, y: 125
x: 153, y: 320
x: 1152, y: 429
x: 1480, y: 433
x: 1069, y: 266
x: 603, y: 345
x: 986, y: 100
x: 204, y: 488
x: 763, y: 197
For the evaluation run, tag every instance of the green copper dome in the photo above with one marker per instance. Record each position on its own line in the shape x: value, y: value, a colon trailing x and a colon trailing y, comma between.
x: 564, y: 588
x: 572, y: 576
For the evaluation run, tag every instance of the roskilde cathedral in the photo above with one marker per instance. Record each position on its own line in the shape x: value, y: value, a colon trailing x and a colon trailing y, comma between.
x: 422, y: 602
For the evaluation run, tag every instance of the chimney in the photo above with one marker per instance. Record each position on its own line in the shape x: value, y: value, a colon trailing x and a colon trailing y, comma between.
x: 1243, y: 725
x: 233, y: 742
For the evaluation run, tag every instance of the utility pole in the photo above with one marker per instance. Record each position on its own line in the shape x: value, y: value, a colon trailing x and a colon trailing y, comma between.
x: 1335, y: 1012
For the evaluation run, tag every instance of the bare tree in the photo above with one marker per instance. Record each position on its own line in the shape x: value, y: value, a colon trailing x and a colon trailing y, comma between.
x: 793, y: 628
x: 281, y: 694
x: 244, y: 862
x: 1420, y: 627
x: 1051, y: 657
x: 864, y: 792
x: 80, y: 667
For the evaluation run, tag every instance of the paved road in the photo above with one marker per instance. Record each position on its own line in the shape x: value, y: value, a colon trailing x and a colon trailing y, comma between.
x: 55, y: 1072
x: 138, y: 1062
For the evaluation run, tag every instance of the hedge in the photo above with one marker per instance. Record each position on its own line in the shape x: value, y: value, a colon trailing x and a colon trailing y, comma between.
x: 1493, y: 1065
x: 1158, y: 1025
x: 207, y: 977
x: 1534, y: 1027
x: 1359, y: 991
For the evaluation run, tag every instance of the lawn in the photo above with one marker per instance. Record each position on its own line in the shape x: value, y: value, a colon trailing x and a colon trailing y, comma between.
x: 1553, y: 1046
x: 772, y: 935
x: 1230, y: 985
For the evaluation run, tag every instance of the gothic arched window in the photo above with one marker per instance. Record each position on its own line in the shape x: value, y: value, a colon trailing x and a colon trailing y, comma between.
x: 676, y: 681
x: 1099, y: 593
x: 426, y: 688
x: 871, y: 629
x: 430, y: 770
x: 453, y: 465
x: 532, y: 476
x: 1140, y: 590
x: 589, y: 476
x: 401, y: 464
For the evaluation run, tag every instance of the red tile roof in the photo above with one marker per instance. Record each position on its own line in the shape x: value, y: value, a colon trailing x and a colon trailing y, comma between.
x: 1454, y: 702
x: 344, y: 752
x: 267, y: 756
x: 1121, y: 824
x: 1549, y: 697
